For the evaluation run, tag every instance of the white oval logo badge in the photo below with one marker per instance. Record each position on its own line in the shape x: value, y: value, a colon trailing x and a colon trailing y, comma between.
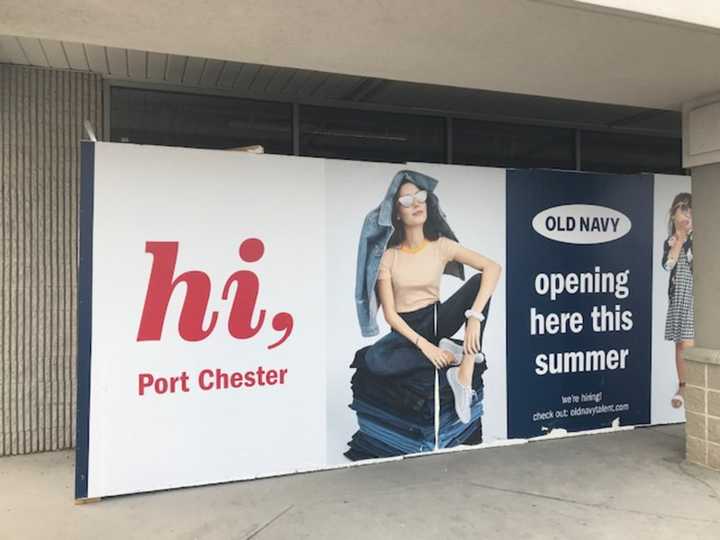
x: 581, y: 224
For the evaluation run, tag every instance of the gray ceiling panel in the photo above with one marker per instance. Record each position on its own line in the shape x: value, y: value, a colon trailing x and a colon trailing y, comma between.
x: 211, y: 73
x: 156, y: 66
x: 367, y: 90
x: 194, y: 71
x: 338, y: 86
x: 263, y: 76
x: 229, y: 73
x: 220, y: 73
x: 10, y: 51
x: 246, y: 76
x: 76, y: 56
x: 175, y: 68
x: 452, y: 99
x: 332, y: 89
x: 33, y: 51
x: 55, y: 54
x: 314, y: 83
x: 281, y: 80
x: 415, y: 95
x: 118, y: 62
x: 294, y: 85
x: 97, y: 59
x: 661, y: 120
x: 137, y: 64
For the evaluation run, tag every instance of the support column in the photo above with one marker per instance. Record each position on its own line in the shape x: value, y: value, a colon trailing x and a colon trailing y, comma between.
x: 701, y: 153
x: 41, y: 124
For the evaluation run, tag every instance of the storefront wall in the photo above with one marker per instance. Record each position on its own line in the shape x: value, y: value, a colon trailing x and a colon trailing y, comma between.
x: 41, y: 124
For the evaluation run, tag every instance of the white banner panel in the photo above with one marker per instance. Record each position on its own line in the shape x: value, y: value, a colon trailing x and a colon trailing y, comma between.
x: 167, y: 409
x: 664, y: 372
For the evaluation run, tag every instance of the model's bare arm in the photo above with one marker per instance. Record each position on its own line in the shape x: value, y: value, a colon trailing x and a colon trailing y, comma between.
x: 675, y: 242
x: 396, y: 322
x: 387, y: 301
x: 490, y: 277
x: 490, y: 274
x: 674, y: 254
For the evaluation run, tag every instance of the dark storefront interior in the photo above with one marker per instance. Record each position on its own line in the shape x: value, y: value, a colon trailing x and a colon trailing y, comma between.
x: 401, y: 122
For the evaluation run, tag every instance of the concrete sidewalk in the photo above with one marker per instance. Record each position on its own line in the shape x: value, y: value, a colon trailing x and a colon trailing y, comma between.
x: 631, y: 484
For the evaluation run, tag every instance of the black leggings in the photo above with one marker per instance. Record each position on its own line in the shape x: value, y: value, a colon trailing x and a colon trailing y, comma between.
x: 394, y: 354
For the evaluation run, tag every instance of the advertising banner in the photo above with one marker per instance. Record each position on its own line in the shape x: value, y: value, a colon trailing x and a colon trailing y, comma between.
x: 380, y: 409
x: 243, y: 316
x: 579, y: 316
x: 207, y: 329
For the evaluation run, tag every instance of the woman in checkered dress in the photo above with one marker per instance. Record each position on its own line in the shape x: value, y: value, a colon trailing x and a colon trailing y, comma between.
x: 677, y: 259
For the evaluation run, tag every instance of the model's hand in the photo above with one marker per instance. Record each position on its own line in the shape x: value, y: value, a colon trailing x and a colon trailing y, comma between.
x: 437, y: 356
x: 472, y: 337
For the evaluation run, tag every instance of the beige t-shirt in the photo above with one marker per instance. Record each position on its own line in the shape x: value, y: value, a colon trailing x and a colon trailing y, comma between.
x: 415, y: 276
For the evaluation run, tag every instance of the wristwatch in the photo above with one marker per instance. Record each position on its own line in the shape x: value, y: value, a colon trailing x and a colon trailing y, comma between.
x: 475, y: 315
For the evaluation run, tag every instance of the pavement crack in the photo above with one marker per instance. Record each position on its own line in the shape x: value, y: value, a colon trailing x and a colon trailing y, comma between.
x: 601, y: 506
x: 700, y: 480
x: 269, y: 522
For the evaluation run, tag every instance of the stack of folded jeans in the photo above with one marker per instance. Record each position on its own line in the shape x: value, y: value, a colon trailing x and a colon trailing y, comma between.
x: 396, y: 414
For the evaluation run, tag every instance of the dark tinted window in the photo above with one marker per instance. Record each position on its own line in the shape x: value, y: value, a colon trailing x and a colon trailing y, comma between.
x: 199, y: 121
x: 205, y: 121
x: 629, y: 153
x: 371, y: 135
x: 508, y: 145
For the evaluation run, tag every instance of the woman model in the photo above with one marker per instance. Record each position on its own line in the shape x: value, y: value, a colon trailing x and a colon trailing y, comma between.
x: 677, y: 259
x: 408, y: 281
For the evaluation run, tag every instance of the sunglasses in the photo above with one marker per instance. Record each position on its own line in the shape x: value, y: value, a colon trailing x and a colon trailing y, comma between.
x: 684, y: 208
x: 406, y: 201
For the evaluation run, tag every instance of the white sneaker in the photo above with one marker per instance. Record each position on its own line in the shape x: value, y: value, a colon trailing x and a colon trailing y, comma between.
x: 463, y: 395
x: 457, y: 351
x: 453, y: 348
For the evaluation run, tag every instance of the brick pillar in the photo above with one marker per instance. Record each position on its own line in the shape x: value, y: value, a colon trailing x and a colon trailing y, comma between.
x: 702, y: 406
x: 701, y: 152
x: 41, y: 124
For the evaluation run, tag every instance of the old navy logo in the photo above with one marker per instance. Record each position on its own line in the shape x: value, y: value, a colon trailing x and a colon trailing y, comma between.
x: 191, y: 327
x: 569, y: 223
x: 581, y: 224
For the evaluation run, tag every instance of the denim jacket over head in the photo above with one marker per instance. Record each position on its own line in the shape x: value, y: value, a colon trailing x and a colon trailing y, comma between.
x: 376, y: 232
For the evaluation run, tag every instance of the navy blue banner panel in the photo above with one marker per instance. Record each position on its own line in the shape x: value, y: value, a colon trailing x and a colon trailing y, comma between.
x: 579, y: 280
x: 84, y: 330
